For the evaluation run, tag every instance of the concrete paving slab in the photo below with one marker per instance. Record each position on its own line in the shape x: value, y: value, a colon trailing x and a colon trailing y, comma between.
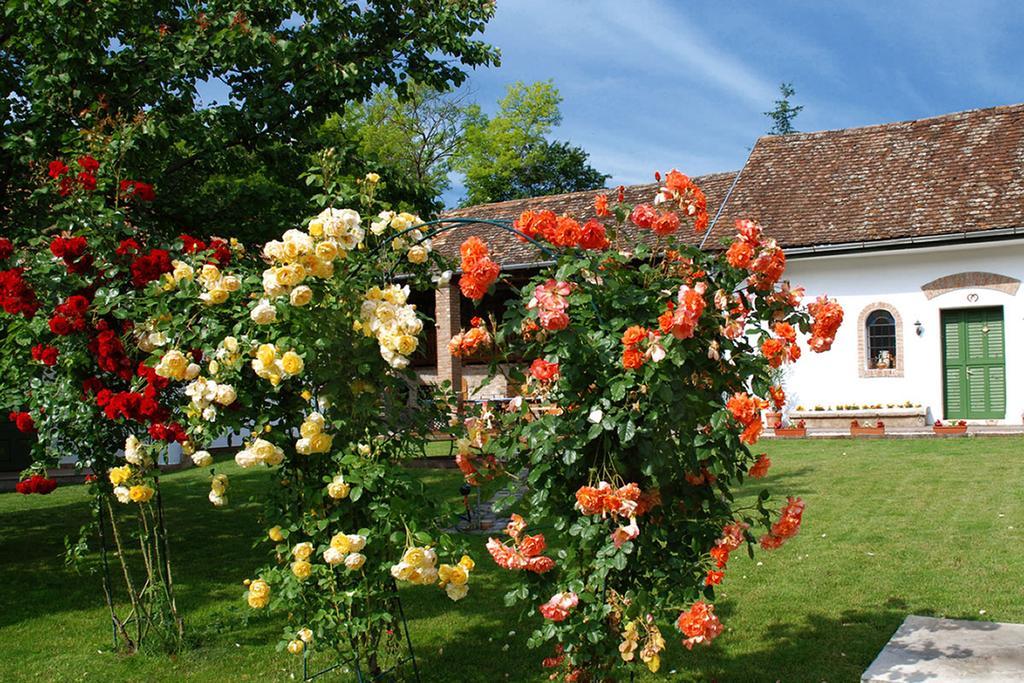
x: 930, y: 649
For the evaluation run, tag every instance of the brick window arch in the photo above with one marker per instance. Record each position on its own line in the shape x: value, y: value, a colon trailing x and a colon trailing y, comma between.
x: 880, y: 341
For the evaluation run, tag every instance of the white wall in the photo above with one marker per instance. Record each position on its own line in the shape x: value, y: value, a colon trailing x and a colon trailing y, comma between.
x: 896, y: 278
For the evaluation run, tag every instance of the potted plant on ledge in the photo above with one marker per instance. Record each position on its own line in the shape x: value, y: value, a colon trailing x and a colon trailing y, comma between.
x: 858, y: 429
x: 950, y: 428
x: 788, y: 430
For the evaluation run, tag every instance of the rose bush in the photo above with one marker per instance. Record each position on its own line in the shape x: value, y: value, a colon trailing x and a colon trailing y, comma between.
x: 309, y: 363
x: 76, y: 302
x: 642, y: 399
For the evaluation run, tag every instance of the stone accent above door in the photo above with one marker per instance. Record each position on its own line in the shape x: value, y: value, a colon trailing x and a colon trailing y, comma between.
x: 971, y: 280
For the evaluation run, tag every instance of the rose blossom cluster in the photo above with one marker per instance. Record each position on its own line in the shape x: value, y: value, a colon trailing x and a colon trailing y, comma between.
x: 550, y: 300
x: 640, y: 345
x: 747, y: 411
x: 259, y: 452
x: 68, y: 181
x: 558, y: 607
x: 345, y: 549
x: 410, y: 240
x: 418, y: 566
x: 525, y: 553
x: 562, y: 231
x: 783, y: 347
x: 206, y: 395
x: 312, y: 438
x: 478, y: 270
x: 827, y: 316
x: 468, y: 343
x: 699, y: 624
x: 386, y: 315
x: 681, y: 317
x: 682, y: 191
x: 763, y: 258
x: 36, y: 484
x: 272, y: 365
x: 788, y: 525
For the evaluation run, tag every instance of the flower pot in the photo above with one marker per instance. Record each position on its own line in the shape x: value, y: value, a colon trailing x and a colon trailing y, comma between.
x: 949, y: 429
x: 772, y: 419
x: 790, y: 432
x: 867, y: 431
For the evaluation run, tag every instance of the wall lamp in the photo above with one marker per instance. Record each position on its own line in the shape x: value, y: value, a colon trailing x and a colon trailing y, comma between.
x: 918, y: 327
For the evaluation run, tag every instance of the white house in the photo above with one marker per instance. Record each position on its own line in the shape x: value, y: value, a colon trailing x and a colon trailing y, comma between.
x: 916, y: 227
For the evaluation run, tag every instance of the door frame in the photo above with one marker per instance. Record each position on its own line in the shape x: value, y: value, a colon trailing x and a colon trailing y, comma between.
x: 963, y: 345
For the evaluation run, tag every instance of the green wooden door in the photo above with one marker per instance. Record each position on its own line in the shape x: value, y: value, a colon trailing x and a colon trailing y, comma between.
x: 973, y: 363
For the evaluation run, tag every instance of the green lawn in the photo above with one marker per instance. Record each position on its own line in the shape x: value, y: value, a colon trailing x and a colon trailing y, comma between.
x: 892, y: 527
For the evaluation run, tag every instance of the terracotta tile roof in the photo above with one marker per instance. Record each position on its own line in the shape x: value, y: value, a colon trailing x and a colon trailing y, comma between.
x: 508, y: 250
x: 946, y: 175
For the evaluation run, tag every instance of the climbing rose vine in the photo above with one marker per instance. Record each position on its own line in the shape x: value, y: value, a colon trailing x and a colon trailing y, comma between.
x: 645, y: 372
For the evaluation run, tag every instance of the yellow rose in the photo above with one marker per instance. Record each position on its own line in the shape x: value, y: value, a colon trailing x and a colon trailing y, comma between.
x: 302, y: 569
x: 266, y: 354
x: 302, y: 551
x: 372, y: 178
x: 230, y: 344
x: 182, y: 271
x: 215, y: 296
x: 119, y: 475
x: 300, y: 296
x: 275, y: 534
x: 414, y: 557
x: 259, y: 594
x: 417, y: 254
x: 140, y: 493
x: 355, y: 561
x: 312, y: 425
x: 305, y: 635
x: 327, y: 250
x: 341, y: 543
x: 296, y: 647
x: 456, y: 592
x: 458, y: 575
x: 406, y: 344
x: 292, y: 363
x: 231, y: 283
x: 320, y: 443
x: 467, y: 563
x: 219, y: 484
x: 316, y: 227
x: 209, y: 275
x: 167, y: 282
x: 338, y: 490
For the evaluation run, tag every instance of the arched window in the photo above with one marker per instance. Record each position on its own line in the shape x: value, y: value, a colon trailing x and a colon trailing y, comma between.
x: 881, y: 331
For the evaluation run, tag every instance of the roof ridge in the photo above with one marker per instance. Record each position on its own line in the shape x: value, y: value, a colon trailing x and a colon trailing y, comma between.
x: 938, y: 118
x: 577, y: 193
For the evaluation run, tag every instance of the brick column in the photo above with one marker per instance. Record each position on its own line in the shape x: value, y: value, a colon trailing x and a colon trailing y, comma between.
x: 448, y: 315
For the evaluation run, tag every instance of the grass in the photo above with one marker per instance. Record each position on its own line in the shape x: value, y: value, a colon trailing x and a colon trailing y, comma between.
x: 893, y: 527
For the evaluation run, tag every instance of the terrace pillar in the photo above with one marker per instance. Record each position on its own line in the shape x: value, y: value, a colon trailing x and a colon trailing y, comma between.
x: 448, y: 317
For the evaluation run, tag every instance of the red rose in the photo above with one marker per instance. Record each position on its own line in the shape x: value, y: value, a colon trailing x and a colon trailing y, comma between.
x: 88, y: 164
x: 87, y: 181
x: 6, y: 248
x: 57, y: 169
x: 127, y: 247
x: 23, y: 421
x: 47, y: 355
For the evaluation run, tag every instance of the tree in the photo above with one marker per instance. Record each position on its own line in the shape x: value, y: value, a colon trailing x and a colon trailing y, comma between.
x: 507, y: 156
x: 784, y: 113
x: 411, y: 141
x: 72, y: 69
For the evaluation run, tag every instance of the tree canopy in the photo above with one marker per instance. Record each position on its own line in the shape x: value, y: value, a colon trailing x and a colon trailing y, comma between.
x: 79, y: 71
x: 508, y: 156
x: 784, y: 113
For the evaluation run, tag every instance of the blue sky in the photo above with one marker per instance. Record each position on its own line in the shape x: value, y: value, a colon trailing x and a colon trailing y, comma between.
x: 658, y: 84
